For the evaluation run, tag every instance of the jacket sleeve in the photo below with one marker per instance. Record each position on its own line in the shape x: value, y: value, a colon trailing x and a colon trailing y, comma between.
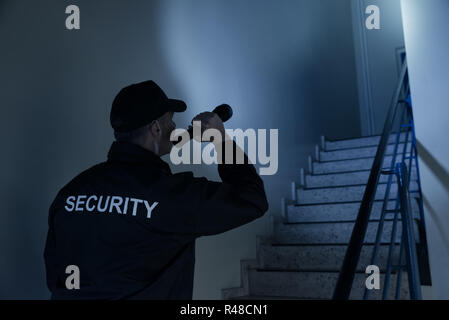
x: 240, y: 197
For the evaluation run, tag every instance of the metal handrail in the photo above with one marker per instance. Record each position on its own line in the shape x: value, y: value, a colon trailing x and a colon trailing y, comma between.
x: 346, y: 277
x: 408, y: 231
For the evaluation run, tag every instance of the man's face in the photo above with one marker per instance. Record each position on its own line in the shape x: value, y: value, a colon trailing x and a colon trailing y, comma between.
x: 167, y: 126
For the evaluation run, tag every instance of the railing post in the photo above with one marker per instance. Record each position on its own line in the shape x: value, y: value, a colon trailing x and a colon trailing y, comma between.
x: 408, y: 232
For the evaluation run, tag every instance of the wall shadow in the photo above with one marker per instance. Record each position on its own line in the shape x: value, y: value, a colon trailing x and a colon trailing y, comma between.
x: 434, y: 165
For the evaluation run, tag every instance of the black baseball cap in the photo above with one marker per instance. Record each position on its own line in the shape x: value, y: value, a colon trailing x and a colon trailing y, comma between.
x: 139, y: 104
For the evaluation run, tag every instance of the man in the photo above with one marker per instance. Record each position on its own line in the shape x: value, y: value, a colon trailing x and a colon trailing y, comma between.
x: 129, y: 225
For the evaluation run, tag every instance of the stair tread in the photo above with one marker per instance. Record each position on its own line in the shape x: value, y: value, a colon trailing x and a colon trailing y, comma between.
x: 366, y: 141
x: 350, y: 165
x: 255, y: 297
x: 354, y: 138
x: 311, y: 271
x: 335, y: 221
x: 329, y: 203
x: 314, y: 284
x: 328, y: 244
x: 358, y: 158
x: 341, y: 172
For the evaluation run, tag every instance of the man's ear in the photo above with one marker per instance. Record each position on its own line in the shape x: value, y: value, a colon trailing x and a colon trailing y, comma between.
x: 155, y: 128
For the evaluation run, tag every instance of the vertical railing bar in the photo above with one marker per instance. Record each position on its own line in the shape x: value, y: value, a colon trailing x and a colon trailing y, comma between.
x: 414, y: 146
x: 391, y: 248
x: 409, y: 168
x: 408, y: 229
x: 401, y: 246
x: 393, y: 235
x: 399, y: 273
x: 385, y: 204
x: 422, y: 236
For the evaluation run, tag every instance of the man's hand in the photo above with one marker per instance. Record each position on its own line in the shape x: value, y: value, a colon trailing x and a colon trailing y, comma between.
x: 233, y: 153
x: 210, y: 120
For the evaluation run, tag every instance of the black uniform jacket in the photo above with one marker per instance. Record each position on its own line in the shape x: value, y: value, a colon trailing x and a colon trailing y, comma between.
x: 129, y: 225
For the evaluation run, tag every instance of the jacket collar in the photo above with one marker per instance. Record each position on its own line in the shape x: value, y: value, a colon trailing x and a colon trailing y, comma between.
x: 121, y: 151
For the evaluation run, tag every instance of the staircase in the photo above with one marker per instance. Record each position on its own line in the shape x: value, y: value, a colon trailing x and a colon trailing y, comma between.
x: 303, y: 256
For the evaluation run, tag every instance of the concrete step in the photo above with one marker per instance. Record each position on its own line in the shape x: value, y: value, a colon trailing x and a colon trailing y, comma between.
x: 315, y: 285
x: 354, y: 153
x: 330, y: 232
x: 243, y: 289
x: 361, y: 142
x: 344, y: 193
x: 346, y: 178
x: 264, y: 298
x: 328, y: 212
x: 351, y: 165
x: 319, y: 257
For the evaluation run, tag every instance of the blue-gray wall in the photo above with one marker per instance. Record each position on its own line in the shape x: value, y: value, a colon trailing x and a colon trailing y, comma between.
x: 285, y: 64
x: 427, y: 44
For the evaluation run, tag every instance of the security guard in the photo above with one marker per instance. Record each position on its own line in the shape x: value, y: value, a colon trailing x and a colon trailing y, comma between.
x: 128, y: 224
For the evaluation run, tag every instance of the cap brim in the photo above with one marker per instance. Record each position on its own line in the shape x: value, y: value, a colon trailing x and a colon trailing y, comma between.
x: 176, y: 105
